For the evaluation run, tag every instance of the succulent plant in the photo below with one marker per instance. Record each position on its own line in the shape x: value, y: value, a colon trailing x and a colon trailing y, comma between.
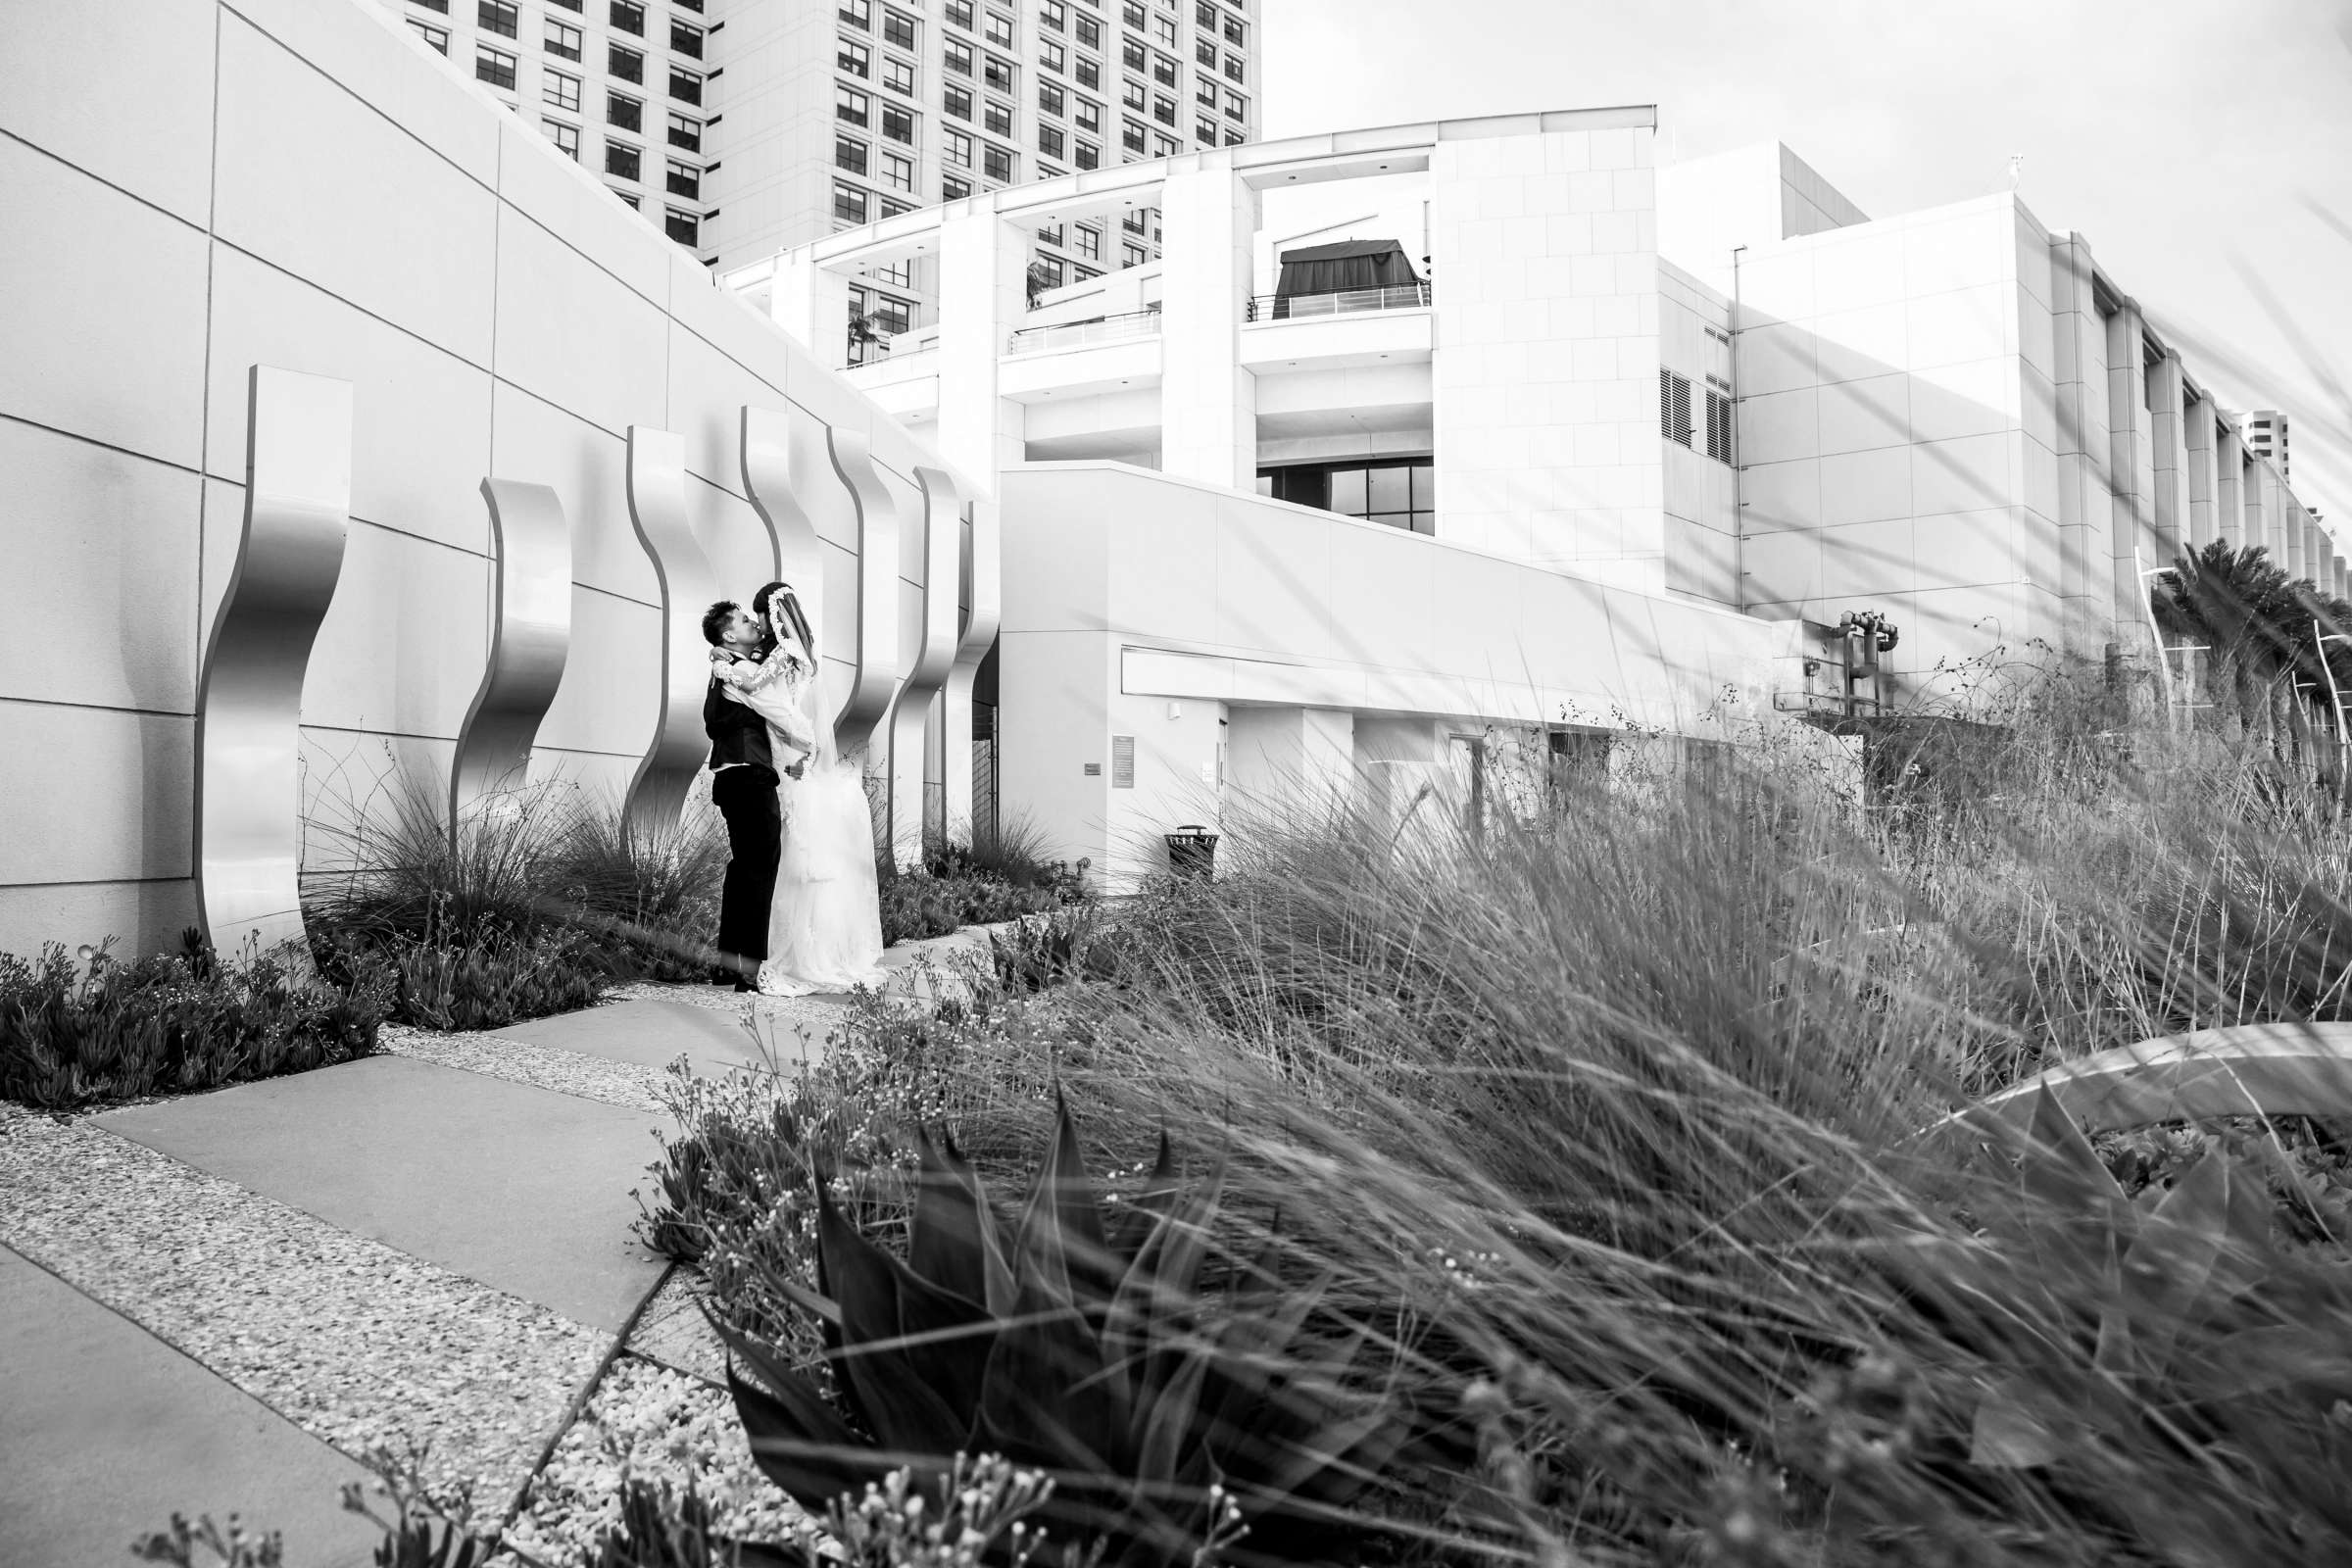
x: 1164, y: 1417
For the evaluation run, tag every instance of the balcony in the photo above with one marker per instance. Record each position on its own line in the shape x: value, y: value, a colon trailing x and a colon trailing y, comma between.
x: 1085, y: 334
x: 1349, y: 302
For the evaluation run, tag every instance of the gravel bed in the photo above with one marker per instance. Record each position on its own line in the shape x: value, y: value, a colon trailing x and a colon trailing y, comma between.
x: 354, y: 1342
x: 662, y: 1426
x: 565, y: 1072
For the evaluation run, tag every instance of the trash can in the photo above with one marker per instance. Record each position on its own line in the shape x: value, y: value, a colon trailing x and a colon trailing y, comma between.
x: 1191, y: 851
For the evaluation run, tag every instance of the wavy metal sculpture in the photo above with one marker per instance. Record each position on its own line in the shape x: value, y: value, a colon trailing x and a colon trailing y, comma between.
x: 981, y: 588
x: 2273, y: 1069
x: 793, y: 542
x: 877, y: 679
x: 248, y: 699
x: 934, y: 658
x: 530, y: 640
x: 657, y: 485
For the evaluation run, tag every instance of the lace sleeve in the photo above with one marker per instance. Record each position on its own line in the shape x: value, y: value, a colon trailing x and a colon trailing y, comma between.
x: 745, y: 676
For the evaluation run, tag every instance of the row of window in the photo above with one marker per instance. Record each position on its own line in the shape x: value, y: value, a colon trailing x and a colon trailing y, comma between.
x: 504, y: 19
x: 497, y: 68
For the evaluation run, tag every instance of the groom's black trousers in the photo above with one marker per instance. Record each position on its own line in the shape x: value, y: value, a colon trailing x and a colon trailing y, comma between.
x: 746, y: 797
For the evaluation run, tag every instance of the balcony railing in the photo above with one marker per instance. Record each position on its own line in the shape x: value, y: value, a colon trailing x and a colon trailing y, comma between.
x: 1351, y: 302
x: 1082, y: 334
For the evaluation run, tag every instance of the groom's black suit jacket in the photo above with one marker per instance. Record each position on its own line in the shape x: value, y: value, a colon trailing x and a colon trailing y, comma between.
x: 737, y: 734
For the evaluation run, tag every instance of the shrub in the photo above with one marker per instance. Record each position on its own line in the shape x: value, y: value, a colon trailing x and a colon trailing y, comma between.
x: 1166, y: 1418
x: 168, y: 1024
x: 648, y: 899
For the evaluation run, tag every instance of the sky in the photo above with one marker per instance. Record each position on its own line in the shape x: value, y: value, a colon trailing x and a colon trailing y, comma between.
x: 2204, y: 151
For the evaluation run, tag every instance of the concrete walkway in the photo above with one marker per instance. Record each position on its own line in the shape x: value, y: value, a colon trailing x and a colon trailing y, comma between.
x: 218, y: 1303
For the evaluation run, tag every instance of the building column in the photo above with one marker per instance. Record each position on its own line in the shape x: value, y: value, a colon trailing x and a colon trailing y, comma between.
x: 2084, y: 566
x: 2168, y: 416
x: 811, y: 304
x: 983, y: 265
x: 2133, y: 540
x: 2196, y: 446
x: 1208, y: 403
x: 2229, y: 487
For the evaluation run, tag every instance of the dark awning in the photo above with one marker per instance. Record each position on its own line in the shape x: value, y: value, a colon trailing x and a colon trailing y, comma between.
x: 1348, y: 263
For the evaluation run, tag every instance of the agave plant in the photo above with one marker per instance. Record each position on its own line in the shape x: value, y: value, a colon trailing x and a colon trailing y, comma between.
x: 1165, y: 1419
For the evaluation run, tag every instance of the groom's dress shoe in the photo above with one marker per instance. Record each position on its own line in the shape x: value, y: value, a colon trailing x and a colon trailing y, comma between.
x: 742, y: 986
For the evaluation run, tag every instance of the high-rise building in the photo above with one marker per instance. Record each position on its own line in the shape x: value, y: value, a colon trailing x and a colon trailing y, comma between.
x: 2264, y: 432
x: 623, y: 87
x: 745, y: 127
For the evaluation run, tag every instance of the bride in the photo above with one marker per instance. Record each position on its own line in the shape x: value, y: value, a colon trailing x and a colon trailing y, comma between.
x: 824, y: 925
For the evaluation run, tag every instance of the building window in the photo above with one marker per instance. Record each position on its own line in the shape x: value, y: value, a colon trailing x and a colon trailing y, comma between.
x: 997, y: 164
x: 628, y: 16
x: 441, y: 6
x: 852, y: 106
x: 1237, y: 107
x: 560, y: 90
x: 1087, y: 155
x: 1204, y: 132
x: 1165, y: 32
x: 1133, y: 137
x: 951, y: 190
x: 620, y: 159
x: 858, y: 13
x: 898, y: 272
x: 959, y: 11
x: 959, y: 56
x: 1133, y: 55
x: 1090, y: 32
x: 684, y: 228
x: 494, y: 67
x: 1234, y: 138
x: 1166, y: 146
x: 1089, y: 73
x: 1401, y: 493
x: 1049, y: 234
x: 998, y: 74
x: 1051, y: 272
x: 957, y: 147
x: 898, y: 173
x: 1719, y: 427
x: 897, y: 29
x: 685, y: 86
x: 849, y: 203
x: 1204, y: 53
x: 686, y: 38
x: 1053, y: 57
x: 1237, y: 33
x: 1133, y: 95
x: 1081, y: 274
x: 564, y: 42
x: 684, y: 180
x: 1132, y: 14
x: 1088, y: 115
x: 497, y: 16
x: 854, y: 58
x: 1050, y: 99
x: 1204, y: 14
x: 1135, y: 220
x: 686, y: 133
x: 1050, y: 140
x: 626, y: 197
x: 626, y: 64
x: 1204, y: 93
x: 849, y: 153
x: 1132, y: 255
x: 957, y: 101
x: 999, y: 30
x: 568, y: 5
x: 997, y: 117
x: 898, y: 76
x: 1674, y: 407
x: 565, y: 137
x: 1056, y: 15
x: 434, y: 37
x: 623, y: 111
x: 1164, y: 71
x: 1233, y: 68
x: 1163, y: 110
x: 898, y: 123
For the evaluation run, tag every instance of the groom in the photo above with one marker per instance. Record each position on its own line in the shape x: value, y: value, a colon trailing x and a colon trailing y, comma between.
x: 743, y: 786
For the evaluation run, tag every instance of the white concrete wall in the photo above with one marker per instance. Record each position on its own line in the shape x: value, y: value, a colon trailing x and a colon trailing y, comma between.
x: 1126, y: 591
x: 1545, y: 246
x: 1700, y: 493
x: 194, y: 188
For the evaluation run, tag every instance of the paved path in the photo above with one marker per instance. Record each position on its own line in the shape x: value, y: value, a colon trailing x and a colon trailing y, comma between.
x: 218, y: 1303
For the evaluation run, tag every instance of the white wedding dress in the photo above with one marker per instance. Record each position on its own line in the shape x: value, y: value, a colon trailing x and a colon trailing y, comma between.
x: 824, y: 925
